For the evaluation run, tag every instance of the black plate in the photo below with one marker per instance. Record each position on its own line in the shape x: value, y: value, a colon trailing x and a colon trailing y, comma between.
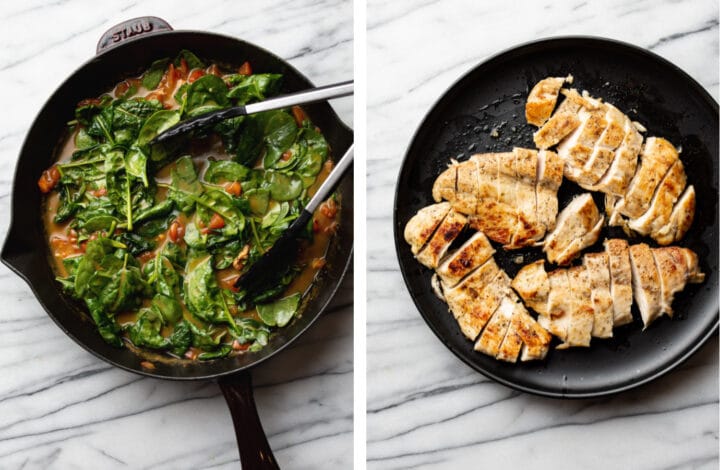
x: 650, y: 90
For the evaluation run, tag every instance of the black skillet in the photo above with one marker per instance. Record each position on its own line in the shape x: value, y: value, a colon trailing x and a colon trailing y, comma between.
x: 652, y: 91
x: 124, y: 51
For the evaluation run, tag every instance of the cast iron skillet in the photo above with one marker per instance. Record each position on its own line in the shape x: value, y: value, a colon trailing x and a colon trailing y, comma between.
x: 124, y: 51
x: 652, y: 91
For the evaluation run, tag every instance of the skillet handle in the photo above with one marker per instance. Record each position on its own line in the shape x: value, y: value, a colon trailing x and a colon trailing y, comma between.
x: 131, y: 29
x: 255, y: 452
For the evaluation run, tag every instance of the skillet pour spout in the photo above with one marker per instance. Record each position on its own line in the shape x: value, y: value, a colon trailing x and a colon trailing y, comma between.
x: 126, y: 50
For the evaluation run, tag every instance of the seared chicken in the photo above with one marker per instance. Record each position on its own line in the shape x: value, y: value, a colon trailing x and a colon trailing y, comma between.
x: 559, y: 306
x: 577, y: 148
x: 658, y: 155
x: 581, y: 312
x: 533, y: 286
x: 474, y: 300
x: 422, y: 225
x: 542, y: 99
x: 646, y: 283
x: 658, y: 214
x: 446, y: 233
x: 578, y: 226
x: 549, y: 178
x: 598, y: 273
x: 535, y: 338
x: 444, y: 185
x: 603, y: 153
x: 473, y: 253
x: 512, y: 343
x: 676, y: 267
x: 493, y: 334
x: 617, y: 178
x: 620, y: 280
x: 680, y: 219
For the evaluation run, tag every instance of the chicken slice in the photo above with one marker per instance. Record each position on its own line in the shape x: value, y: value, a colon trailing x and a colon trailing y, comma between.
x: 535, y: 338
x: 577, y: 148
x: 658, y: 155
x: 581, y: 311
x: 559, y: 126
x: 549, y: 179
x: 473, y: 253
x: 528, y: 231
x: 660, y: 210
x: 445, y: 184
x: 559, y: 306
x: 533, y: 286
x: 618, y: 176
x: 681, y: 219
x: 646, y: 283
x: 493, y: 334
x: 422, y: 225
x: 605, y: 148
x: 473, y: 301
x: 488, y: 166
x: 512, y: 343
x: 466, y: 189
x: 596, y: 266
x: 676, y: 267
x: 620, y: 280
x: 542, y: 99
x: 446, y: 233
x: 578, y: 226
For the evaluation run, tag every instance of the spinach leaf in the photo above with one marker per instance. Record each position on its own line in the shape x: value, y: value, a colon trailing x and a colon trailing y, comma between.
x: 255, y: 87
x: 283, y: 186
x: 136, y: 164
x: 248, y: 330
x: 181, y: 338
x: 85, y: 112
x: 224, y: 255
x: 157, y: 123
x: 160, y: 273
x: 222, y: 351
x: 223, y: 170
x: 84, y: 140
x: 205, y: 340
x: 106, y: 325
x: 222, y: 203
x: 135, y: 243
x: 229, y: 131
x: 280, y: 133
x: 125, y: 289
x: 151, y: 78
x: 206, y: 94
x: 185, y: 185
x: 249, y: 144
x: 155, y: 211
x: 128, y: 117
x: 258, y: 200
x: 168, y: 307
x: 191, y: 59
x: 280, y: 312
x: 145, y: 332
x: 201, y: 292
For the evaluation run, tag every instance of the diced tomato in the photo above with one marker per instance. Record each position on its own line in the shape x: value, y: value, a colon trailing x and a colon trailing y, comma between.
x: 192, y: 353
x: 93, y: 237
x: 49, y: 179
x: 122, y: 88
x: 237, y: 346
x: 99, y: 192
x: 147, y: 256
x: 316, y: 226
x: 176, y: 231
x: 72, y: 236
x: 299, y: 115
x: 64, y: 247
x: 195, y: 74
x: 216, y: 222
x: 147, y: 365
x: 89, y: 101
x: 245, y: 69
x: 233, y: 188
x: 214, y: 70
x: 182, y: 72
x: 329, y: 208
x: 286, y: 155
x: 83, y: 246
x: 168, y: 82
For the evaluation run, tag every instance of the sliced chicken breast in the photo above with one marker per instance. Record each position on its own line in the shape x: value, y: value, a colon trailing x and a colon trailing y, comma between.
x: 621, y: 171
x: 542, y: 99
x: 681, y: 219
x: 660, y: 210
x: 472, y: 254
x: 528, y: 230
x: 676, y: 267
x: 493, y: 334
x: 581, y: 310
x: 422, y: 225
x: 466, y: 190
x: 578, y: 226
x: 448, y: 230
x: 604, y: 152
x: 465, y: 300
x: 559, y: 306
x: 577, y: 148
x: 549, y: 179
x: 533, y: 286
x: 658, y: 155
x: 445, y: 184
x: 620, y: 280
x: 646, y: 283
x: 559, y: 126
x: 536, y: 339
x: 598, y: 273
x: 512, y: 343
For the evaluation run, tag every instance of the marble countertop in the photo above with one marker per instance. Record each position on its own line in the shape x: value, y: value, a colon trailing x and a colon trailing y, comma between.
x: 426, y: 409
x: 60, y: 407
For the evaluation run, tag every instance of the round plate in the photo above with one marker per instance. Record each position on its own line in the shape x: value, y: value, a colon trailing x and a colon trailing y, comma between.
x: 650, y: 90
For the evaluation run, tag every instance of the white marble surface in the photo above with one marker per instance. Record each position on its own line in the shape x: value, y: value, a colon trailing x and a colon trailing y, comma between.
x: 60, y: 407
x: 426, y: 409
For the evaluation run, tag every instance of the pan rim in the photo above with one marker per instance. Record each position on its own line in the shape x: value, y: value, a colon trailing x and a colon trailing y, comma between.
x: 552, y: 41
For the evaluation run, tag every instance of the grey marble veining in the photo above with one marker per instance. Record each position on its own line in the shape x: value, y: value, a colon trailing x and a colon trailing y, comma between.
x: 60, y: 407
x: 426, y: 409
